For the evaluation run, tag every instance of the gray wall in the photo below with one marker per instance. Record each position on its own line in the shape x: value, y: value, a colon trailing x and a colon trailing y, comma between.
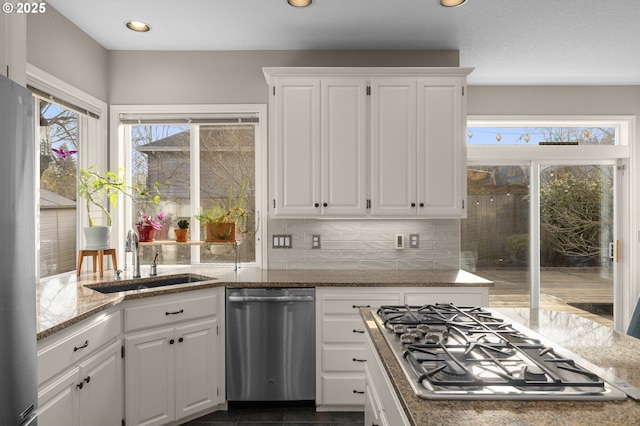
x: 57, y: 46
x: 234, y: 76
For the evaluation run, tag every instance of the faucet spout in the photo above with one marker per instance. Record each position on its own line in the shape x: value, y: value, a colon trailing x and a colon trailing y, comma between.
x: 133, y: 245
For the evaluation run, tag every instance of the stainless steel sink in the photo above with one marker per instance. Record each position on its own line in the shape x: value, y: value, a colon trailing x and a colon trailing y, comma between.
x: 145, y: 283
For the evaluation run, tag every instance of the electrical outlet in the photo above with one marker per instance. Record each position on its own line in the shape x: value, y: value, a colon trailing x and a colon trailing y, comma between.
x: 414, y: 241
x: 315, y: 241
x: 399, y: 241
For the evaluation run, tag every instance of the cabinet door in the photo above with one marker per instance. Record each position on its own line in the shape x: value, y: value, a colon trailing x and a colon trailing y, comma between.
x: 58, y: 402
x: 295, y: 146
x: 149, y: 377
x: 441, y: 148
x: 101, y: 393
x: 343, y: 146
x: 197, y: 365
x: 393, y: 147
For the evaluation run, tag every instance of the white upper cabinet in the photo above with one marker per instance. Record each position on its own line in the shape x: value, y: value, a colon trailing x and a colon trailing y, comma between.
x: 393, y: 147
x: 343, y: 147
x: 367, y: 142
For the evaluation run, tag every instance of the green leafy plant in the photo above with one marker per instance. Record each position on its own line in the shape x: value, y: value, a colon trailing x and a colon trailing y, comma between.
x: 230, y: 211
x: 183, y: 224
x: 99, y: 188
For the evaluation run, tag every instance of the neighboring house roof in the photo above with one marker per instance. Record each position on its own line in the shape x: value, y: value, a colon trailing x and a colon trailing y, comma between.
x: 51, y: 200
x: 218, y: 142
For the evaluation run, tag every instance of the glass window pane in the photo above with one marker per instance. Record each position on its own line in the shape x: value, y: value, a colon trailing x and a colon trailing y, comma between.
x: 160, y: 166
x: 495, y: 234
x: 227, y: 172
x: 58, y: 167
x: 504, y: 135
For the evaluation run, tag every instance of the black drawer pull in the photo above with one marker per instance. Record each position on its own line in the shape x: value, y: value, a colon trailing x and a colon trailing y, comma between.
x: 181, y: 339
x: 361, y: 306
x: 358, y: 392
x: 175, y: 313
x: 77, y: 348
x: 171, y: 342
x: 359, y: 331
x: 79, y: 385
x: 359, y: 360
x: 87, y: 379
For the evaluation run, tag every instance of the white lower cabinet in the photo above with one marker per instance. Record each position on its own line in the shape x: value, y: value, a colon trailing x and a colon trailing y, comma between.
x: 382, y: 406
x: 340, y: 335
x: 80, y: 374
x: 87, y: 394
x: 177, y: 370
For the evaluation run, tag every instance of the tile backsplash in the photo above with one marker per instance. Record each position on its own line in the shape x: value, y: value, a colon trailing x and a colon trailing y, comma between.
x: 365, y: 244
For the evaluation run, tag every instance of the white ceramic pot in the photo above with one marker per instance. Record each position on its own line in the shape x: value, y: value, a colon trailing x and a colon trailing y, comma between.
x: 97, y: 237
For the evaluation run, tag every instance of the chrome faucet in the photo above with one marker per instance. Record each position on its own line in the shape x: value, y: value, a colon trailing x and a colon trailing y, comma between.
x: 133, y: 245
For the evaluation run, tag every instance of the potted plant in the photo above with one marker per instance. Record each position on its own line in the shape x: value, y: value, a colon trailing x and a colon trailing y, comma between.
x: 97, y: 189
x: 181, y: 232
x: 220, y: 220
x: 144, y: 198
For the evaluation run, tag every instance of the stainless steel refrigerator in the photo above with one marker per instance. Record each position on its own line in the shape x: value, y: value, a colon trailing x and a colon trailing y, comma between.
x: 18, y: 376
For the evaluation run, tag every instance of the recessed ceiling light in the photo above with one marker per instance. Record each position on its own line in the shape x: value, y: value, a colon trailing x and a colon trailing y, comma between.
x: 138, y: 26
x: 299, y: 3
x: 452, y: 3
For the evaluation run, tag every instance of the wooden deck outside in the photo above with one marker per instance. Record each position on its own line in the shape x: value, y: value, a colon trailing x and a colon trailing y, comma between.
x: 559, y: 288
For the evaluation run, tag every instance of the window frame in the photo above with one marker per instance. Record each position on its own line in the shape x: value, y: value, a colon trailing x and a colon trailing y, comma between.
x: 624, y: 152
x: 92, y: 132
x: 119, y: 157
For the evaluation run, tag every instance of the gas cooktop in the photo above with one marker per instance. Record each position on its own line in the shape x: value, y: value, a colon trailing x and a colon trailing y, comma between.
x: 452, y: 352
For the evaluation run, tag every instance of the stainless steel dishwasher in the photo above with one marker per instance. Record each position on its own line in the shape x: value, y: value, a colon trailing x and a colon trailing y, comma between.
x: 271, y: 345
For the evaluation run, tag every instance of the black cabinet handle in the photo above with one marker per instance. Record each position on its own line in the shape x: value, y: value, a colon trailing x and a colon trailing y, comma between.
x: 174, y: 313
x: 359, y: 392
x: 324, y: 204
x: 87, y: 379
x: 359, y: 331
x: 181, y: 340
x: 316, y: 205
x: 413, y: 204
x: 171, y: 342
x: 77, y: 348
x: 79, y: 385
x: 421, y: 204
x: 361, y: 306
x: 359, y: 360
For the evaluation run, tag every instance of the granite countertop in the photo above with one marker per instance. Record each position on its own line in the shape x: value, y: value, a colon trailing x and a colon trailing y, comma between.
x: 65, y: 300
x: 602, y: 346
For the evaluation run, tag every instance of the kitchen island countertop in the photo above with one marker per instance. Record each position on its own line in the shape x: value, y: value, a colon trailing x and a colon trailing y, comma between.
x: 65, y: 300
x: 602, y: 346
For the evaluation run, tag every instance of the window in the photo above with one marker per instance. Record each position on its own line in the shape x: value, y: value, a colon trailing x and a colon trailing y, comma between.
x: 545, y: 219
x: 58, y: 140
x: 194, y: 162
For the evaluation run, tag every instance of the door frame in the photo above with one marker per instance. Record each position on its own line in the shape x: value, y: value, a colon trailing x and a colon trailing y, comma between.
x: 625, y: 288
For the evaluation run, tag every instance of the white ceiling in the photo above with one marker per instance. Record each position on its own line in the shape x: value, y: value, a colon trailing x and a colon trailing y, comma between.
x: 507, y: 41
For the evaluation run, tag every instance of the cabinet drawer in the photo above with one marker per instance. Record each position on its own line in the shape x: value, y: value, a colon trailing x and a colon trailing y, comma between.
x: 344, y: 390
x: 68, y: 348
x: 170, y: 309
x: 343, y: 359
x: 342, y: 330
x: 351, y: 303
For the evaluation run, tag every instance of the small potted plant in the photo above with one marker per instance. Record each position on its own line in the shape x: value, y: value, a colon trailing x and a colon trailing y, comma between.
x: 98, y: 189
x: 220, y: 220
x: 181, y: 232
x: 146, y: 224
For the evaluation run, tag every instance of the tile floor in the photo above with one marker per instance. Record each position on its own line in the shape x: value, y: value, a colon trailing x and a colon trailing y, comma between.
x: 280, y: 416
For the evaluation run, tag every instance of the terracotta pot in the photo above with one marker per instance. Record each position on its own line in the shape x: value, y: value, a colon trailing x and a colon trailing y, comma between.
x: 181, y: 235
x: 220, y: 232
x: 145, y: 233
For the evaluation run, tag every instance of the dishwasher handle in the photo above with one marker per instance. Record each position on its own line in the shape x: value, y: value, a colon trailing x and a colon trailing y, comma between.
x: 272, y: 299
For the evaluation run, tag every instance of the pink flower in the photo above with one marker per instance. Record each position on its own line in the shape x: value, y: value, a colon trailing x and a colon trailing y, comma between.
x: 145, y: 220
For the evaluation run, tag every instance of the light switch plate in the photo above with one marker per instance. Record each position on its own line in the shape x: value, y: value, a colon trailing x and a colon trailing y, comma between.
x: 282, y: 241
x: 399, y: 241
